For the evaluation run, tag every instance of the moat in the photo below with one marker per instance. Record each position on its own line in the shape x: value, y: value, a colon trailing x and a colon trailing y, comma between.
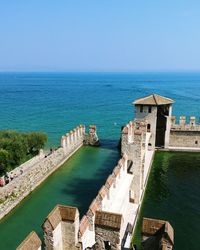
x: 173, y: 194
x: 75, y: 183
x: 78, y: 181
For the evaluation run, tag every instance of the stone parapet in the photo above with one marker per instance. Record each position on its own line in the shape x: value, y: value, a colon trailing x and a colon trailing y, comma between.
x: 183, y: 126
x: 113, y: 209
x: 61, y: 228
x: 36, y: 172
x: 157, y: 233
x: 32, y: 242
x: 91, y: 138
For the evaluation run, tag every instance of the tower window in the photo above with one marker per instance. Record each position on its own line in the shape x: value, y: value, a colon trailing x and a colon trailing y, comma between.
x: 141, y: 108
x: 196, y: 142
x: 148, y: 127
x: 149, y: 109
x: 107, y: 245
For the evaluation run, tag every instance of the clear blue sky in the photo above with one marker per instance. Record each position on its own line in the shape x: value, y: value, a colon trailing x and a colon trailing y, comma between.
x: 104, y: 35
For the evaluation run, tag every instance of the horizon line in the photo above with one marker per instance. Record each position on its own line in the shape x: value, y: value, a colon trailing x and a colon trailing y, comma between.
x: 98, y: 71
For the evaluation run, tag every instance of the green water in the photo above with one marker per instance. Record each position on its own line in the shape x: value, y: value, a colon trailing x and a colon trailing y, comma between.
x: 76, y: 183
x: 173, y: 194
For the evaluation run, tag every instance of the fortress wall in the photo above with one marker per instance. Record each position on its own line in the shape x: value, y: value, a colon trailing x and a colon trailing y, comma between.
x: 104, y: 201
x: 121, y: 194
x: 61, y: 228
x: 108, y: 229
x: 148, y: 156
x: 182, y: 125
x: 86, y: 236
x: 183, y: 134
x: 112, y: 214
x: 32, y: 241
x: 12, y: 193
x: 26, y: 165
x: 189, y: 139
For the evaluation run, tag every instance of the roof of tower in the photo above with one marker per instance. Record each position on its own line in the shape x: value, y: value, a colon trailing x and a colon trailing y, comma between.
x: 154, y: 100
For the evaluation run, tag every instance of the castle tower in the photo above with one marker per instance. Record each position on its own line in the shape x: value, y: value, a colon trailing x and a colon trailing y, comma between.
x: 156, y: 110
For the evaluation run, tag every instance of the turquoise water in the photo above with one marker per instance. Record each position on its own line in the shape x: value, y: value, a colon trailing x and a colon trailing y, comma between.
x: 76, y: 183
x: 55, y: 103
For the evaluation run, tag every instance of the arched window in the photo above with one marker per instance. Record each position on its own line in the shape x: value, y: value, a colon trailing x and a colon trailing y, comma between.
x: 148, y: 127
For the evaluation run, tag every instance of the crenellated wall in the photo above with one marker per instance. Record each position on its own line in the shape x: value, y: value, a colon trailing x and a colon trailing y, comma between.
x: 112, y: 214
x: 37, y: 170
x: 184, y: 135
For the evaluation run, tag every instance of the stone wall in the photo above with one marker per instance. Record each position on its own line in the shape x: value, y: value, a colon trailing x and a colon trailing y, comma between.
x: 151, y: 117
x: 32, y: 241
x: 26, y: 165
x: 108, y: 228
x: 38, y: 171
x: 184, y: 135
x: 183, y: 139
x: 112, y: 215
x: 61, y: 228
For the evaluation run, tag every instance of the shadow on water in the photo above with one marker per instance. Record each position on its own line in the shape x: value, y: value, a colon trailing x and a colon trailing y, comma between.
x: 85, y: 190
x: 109, y: 144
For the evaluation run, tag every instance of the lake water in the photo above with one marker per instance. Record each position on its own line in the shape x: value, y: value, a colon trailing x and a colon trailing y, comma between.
x: 172, y: 194
x: 57, y: 102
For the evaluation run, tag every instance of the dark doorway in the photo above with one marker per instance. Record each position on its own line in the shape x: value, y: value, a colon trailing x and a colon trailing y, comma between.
x: 162, y: 111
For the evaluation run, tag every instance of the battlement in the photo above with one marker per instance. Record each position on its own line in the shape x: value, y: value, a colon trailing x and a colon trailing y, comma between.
x: 112, y: 212
x: 62, y: 229
x: 183, y: 126
x: 91, y: 138
x: 29, y: 175
x: 72, y: 138
x: 32, y: 241
x: 159, y: 232
x: 133, y: 129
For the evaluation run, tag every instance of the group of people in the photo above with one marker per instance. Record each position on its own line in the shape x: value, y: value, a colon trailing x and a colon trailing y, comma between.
x: 8, y: 177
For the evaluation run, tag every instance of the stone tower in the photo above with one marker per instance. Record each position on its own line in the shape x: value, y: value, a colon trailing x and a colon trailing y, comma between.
x: 156, y: 110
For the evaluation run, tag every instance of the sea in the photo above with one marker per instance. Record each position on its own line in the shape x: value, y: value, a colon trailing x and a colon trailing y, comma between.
x: 55, y: 103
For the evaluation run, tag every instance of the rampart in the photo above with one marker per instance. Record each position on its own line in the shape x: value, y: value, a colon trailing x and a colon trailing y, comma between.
x: 111, y: 216
x: 37, y: 170
x: 184, y: 135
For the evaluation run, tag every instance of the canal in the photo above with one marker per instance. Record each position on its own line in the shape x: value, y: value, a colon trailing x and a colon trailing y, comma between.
x: 172, y: 194
x: 76, y: 183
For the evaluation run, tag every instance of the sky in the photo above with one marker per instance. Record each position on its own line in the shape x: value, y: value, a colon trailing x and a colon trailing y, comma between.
x: 100, y: 35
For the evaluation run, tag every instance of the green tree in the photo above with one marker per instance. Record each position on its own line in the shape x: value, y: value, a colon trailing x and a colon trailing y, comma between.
x: 4, y: 158
x: 35, y: 142
x: 18, y: 147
